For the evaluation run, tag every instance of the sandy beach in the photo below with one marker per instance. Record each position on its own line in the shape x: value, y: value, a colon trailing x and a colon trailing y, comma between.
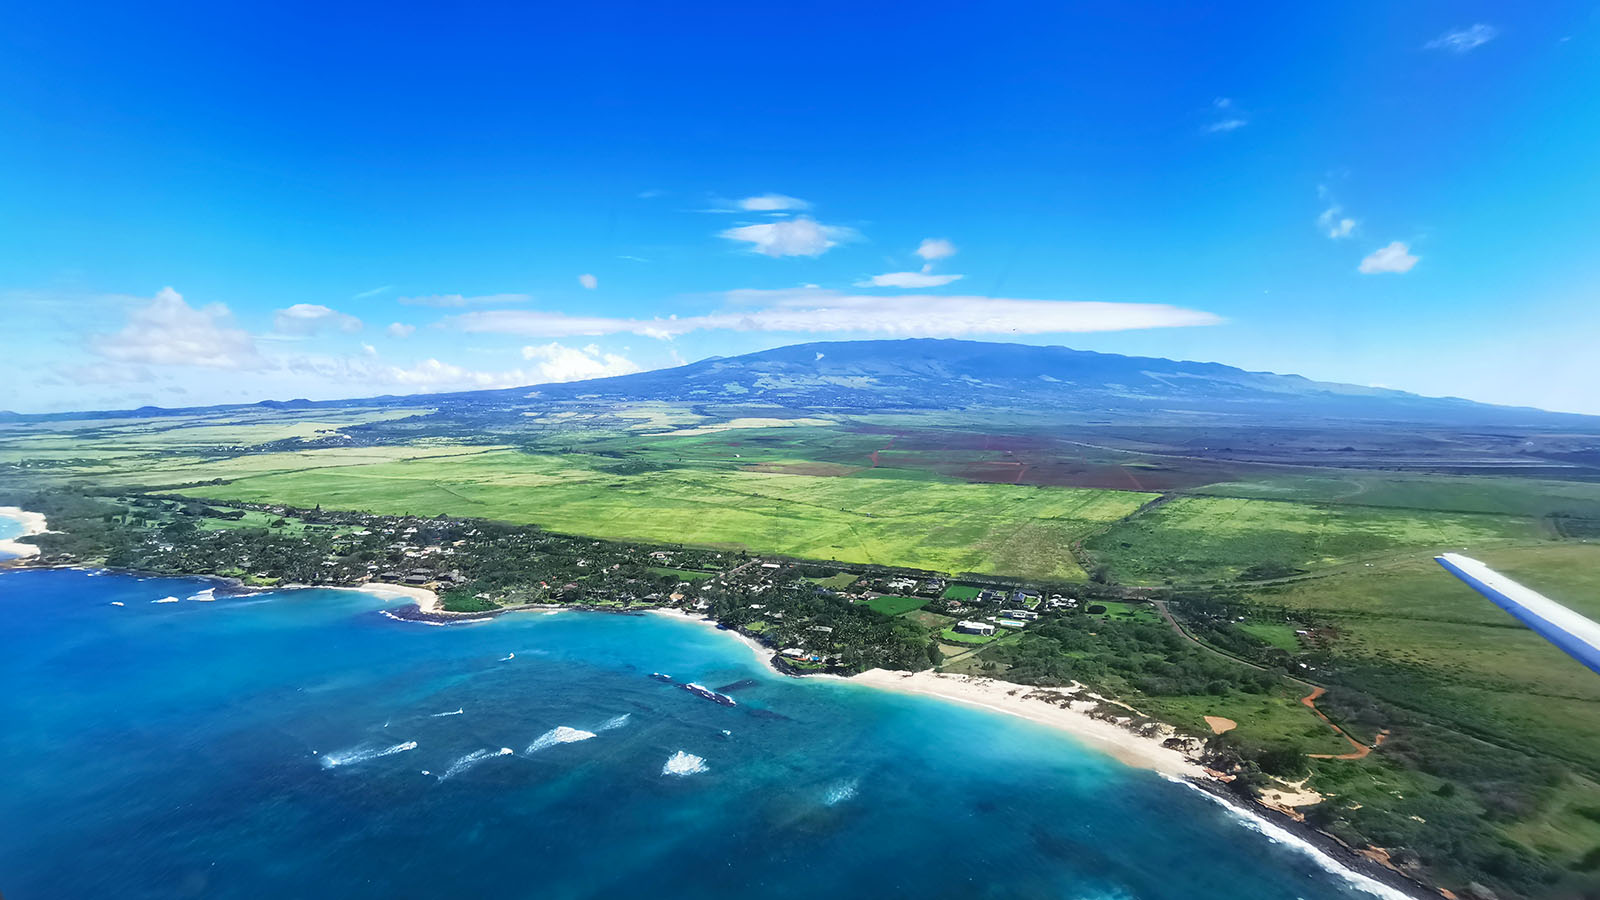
x: 32, y: 523
x: 426, y: 600
x: 1021, y: 700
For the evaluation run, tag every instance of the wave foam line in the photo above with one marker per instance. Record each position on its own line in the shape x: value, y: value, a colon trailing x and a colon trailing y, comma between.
x: 472, y: 759
x: 682, y: 763
x: 205, y: 596
x: 166, y: 600
x: 362, y: 754
x: 560, y: 734
x: 1280, y: 835
x: 453, y: 712
x: 615, y: 722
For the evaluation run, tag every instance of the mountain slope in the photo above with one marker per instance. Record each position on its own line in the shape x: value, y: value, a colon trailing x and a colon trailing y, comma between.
x: 953, y: 374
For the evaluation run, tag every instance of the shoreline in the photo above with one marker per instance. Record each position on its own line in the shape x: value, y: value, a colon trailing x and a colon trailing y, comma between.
x: 32, y: 523
x: 1041, y: 706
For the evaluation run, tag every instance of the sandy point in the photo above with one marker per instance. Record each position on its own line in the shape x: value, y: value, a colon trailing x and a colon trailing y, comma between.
x: 32, y: 523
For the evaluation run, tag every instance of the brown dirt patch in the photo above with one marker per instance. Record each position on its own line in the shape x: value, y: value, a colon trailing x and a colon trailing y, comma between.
x: 1220, y: 725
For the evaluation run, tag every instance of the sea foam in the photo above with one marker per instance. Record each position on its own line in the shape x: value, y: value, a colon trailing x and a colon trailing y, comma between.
x: 560, y: 734
x: 1279, y: 835
x: 205, y: 596
x: 841, y: 792
x: 453, y: 712
x: 614, y: 722
x: 472, y: 759
x: 166, y: 600
x: 682, y: 763
x: 362, y: 754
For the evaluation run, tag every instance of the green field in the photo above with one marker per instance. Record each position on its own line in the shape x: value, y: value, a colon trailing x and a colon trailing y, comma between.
x: 962, y: 592
x: 1196, y: 539
x: 894, y: 606
x: 1502, y: 496
x: 939, y: 526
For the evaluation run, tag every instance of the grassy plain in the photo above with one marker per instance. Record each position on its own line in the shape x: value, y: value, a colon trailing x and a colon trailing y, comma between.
x: 894, y: 606
x: 941, y: 526
x: 1198, y: 539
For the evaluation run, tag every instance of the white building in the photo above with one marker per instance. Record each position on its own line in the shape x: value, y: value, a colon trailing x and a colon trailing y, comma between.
x: 974, y: 628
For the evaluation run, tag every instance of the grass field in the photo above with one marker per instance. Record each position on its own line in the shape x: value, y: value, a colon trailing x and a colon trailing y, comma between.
x: 1435, y: 644
x: 1501, y: 496
x: 894, y: 606
x: 1196, y: 539
x: 949, y: 527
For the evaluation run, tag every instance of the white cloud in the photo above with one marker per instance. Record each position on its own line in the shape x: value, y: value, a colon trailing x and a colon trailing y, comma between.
x: 772, y: 203
x: 400, y: 330
x: 588, y: 281
x: 1335, y: 223
x: 1226, y: 125
x: 908, y: 280
x: 170, y: 332
x: 801, y: 236
x: 558, y: 362
x: 369, y: 349
x: 309, y: 318
x: 433, y: 375
x: 455, y: 300
x: 823, y: 311
x: 1396, y: 257
x: 1464, y: 40
x: 374, y: 292
x: 935, y: 248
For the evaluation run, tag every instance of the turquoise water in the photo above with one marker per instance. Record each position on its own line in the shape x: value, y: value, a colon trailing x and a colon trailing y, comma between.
x: 9, y: 528
x: 183, y: 749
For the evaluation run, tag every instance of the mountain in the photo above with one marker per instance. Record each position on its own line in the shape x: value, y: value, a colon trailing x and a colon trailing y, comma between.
x: 930, y: 374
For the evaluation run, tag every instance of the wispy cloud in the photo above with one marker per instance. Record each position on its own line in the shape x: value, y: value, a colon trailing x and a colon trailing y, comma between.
x: 800, y: 236
x: 457, y: 300
x: 908, y: 280
x: 811, y: 311
x: 772, y: 203
x: 935, y: 248
x: 374, y: 292
x: 400, y: 330
x: 588, y: 281
x: 1396, y: 258
x: 305, y: 319
x: 1230, y: 119
x: 1464, y: 40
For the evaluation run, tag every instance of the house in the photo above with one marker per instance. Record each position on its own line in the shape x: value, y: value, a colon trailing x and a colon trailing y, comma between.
x: 974, y: 628
x: 1019, y: 613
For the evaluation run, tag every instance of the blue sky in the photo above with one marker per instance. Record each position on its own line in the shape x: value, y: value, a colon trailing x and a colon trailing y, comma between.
x: 218, y: 203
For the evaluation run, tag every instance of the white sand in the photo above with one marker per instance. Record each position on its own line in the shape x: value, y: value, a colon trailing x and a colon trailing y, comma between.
x: 1026, y: 702
x: 426, y: 600
x: 32, y: 523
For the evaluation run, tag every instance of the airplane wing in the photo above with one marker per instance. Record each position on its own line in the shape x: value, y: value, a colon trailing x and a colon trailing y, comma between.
x: 1576, y: 635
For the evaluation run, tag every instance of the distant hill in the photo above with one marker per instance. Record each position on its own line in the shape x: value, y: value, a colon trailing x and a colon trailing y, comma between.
x: 954, y: 374
x: 929, y: 374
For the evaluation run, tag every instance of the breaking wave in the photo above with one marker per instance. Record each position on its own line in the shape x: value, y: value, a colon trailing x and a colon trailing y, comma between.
x: 166, y: 600
x: 453, y: 712
x: 560, y: 734
x: 682, y: 763
x: 116, y: 603
x: 841, y: 792
x: 614, y: 722
x: 362, y: 754
x: 472, y: 759
x: 1279, y: 835
x: 205, y: 596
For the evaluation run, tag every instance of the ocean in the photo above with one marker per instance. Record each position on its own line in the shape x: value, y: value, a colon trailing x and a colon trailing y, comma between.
x: 303, y: 744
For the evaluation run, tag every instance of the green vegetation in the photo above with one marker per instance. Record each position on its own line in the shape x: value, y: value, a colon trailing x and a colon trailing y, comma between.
x: 1195, y: 539
x: 961, y: 592
x: 894, y: 606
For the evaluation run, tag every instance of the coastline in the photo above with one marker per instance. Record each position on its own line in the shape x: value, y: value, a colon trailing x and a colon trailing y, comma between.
x: 32, y: 523
x: 1051, y: 707
x: 1043, y: 706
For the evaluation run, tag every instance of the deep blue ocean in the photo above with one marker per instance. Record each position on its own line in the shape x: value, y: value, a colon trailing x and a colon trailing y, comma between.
x: 301, y: 744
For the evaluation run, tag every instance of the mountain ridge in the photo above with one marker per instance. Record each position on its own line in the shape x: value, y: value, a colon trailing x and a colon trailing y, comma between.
x: 932, y: 373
